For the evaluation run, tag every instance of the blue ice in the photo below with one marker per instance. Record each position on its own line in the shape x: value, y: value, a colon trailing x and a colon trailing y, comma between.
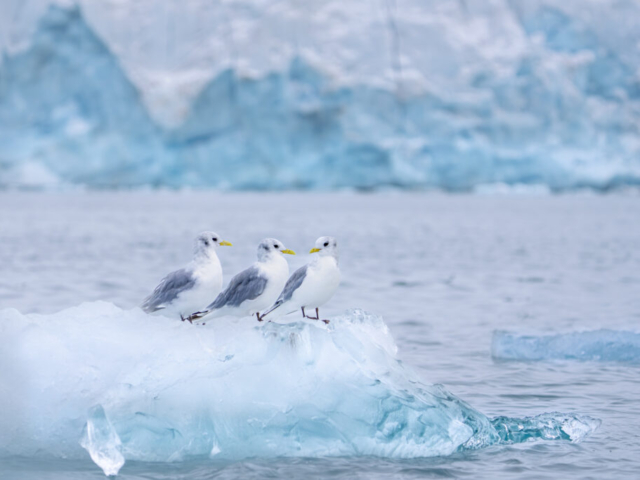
x: 68, y: 112
x: 598, y: 345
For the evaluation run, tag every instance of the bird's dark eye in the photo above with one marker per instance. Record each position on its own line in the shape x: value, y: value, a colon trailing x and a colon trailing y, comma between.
x: 277, y: 246
x: 214, y: 239
x: 326, y: 244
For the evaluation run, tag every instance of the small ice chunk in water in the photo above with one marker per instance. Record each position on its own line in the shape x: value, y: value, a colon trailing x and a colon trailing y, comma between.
x: 102, y: 442
x: 594, y: 346
x: 547, y: 426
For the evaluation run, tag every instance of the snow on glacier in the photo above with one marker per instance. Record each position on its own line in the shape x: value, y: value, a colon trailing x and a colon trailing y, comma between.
x: 598, y: 345
x: 445, y: 94
x: 127, y: 386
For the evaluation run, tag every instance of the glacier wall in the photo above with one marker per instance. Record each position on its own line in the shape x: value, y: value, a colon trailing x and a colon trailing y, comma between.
x: 125, y: 385
x: 68, y: 111
x: 450, y: 95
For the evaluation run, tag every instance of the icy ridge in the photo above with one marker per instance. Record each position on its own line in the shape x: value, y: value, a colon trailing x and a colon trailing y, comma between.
x: 152, y: 389
x: 551, y: 98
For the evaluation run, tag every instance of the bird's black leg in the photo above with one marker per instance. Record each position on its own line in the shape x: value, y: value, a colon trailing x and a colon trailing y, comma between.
x: 187, y: 318
x: 258, y: 316
x: 196, y: 316
x: 303, y: 314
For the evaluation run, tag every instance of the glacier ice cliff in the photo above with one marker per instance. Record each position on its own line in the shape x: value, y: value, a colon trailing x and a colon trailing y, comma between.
x: 440, y: 95
x: 66, y: 106
x: 124, y: 385
x: 598, y: 345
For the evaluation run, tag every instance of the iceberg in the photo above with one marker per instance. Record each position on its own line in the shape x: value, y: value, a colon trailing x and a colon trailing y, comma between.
x: 442, y: 95
x: 123, y: 385
x: 597, y: 346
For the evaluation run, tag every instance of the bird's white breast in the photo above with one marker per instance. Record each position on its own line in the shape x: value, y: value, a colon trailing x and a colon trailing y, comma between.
x: 277, y: 272
x: 208, y: 284
x: 321, y: 282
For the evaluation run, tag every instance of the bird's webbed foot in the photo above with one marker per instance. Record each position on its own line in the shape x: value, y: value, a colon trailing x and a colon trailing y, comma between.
x: 317, y: 317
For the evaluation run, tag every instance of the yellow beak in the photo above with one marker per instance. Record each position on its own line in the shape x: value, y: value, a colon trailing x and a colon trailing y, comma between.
x: 226, y: 244
x: 314, y: 250
x: 289, y: 252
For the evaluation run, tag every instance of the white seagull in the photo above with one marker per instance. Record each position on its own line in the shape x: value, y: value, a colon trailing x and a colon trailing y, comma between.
x: 255, y: 288
x: 314, y: 284
x: 190, y: 288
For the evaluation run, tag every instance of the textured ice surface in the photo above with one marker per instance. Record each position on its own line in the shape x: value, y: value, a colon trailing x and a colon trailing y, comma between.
x: 598, y: 345
x: 153, y: 389
x: 102, y: 442
x: 336, y: 94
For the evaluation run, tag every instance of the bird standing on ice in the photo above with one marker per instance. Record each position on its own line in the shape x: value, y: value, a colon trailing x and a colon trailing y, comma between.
x: 314, y: 284
x: 186, y: 290
x: 255, y: 288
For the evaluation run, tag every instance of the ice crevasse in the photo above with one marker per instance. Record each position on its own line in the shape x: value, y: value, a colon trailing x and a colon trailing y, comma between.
x: 124, y: 385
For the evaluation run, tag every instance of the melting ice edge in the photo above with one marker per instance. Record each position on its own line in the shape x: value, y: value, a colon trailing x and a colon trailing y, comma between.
x: 126, y: 386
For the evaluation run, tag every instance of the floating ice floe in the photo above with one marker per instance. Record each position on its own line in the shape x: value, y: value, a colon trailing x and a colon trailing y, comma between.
x: 128, y: 386
x: 597, y: 345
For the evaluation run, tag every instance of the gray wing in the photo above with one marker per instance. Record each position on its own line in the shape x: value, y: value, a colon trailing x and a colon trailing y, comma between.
x: 294, y: 282
x: 247, y: 285
x: 170, y: 287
